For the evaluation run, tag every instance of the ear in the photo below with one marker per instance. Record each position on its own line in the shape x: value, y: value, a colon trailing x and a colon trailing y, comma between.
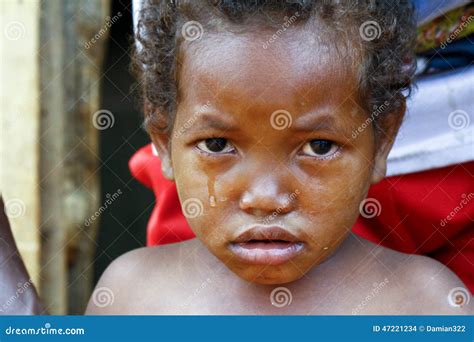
x: 160, y: 140
x: 385, y: 138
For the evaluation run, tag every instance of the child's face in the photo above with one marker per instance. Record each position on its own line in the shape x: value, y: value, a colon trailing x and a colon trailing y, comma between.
x: 255, y: 169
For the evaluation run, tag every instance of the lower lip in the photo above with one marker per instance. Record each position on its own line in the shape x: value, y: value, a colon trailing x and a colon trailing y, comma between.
x: 263, y: 253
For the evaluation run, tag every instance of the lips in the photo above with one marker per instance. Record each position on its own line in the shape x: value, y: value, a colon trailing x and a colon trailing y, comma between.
x: 263, y: 245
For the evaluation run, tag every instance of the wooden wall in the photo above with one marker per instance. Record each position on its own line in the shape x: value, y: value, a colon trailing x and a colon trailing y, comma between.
x: 20, y: 121
x: 51, y: 78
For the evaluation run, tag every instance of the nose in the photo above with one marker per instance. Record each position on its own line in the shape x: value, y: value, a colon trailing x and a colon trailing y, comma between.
x: 265, y: 196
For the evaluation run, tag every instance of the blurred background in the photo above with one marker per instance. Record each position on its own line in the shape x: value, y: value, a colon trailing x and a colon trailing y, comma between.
x: 69, y: 95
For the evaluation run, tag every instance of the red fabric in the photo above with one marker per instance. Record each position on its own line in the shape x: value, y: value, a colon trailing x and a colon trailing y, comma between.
x: 413, y: 216
x: 167, y: 223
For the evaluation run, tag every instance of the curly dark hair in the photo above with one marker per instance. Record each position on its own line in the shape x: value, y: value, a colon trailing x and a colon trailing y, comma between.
x: 383, y: 31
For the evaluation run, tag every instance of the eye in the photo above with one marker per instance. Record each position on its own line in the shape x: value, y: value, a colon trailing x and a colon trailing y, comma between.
x: 320, y: 148
x: 216, y: 146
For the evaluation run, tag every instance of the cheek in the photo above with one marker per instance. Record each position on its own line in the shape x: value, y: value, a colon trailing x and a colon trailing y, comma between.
x: 200, y: 196
x: 329, y: 193
x: 331, y: 196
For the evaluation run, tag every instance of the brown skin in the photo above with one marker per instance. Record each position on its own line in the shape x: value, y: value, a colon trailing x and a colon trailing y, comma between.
x: 253, y: 177
x: 186, y: 279
x: 269, y: 164
x: 17, y: 292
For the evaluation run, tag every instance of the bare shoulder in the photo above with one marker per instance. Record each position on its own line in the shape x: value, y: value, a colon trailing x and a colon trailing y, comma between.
x: 140, y: 277
x: 437, y: 288
x: 423, y: 285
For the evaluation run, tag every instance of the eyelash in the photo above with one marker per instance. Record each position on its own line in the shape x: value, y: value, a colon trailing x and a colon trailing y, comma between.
x: 333, y: 155
x: 214, y: 154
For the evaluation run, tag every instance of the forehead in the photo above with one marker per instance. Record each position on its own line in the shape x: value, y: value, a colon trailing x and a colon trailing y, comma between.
x: 248, y: 70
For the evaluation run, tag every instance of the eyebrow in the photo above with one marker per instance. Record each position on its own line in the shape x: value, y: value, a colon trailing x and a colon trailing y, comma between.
x: 313, y: 122
x: 209, y: 120
x: 309, y: 122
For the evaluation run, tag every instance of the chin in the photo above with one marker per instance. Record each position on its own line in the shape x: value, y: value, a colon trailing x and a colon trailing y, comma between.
x: 269, y: 275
